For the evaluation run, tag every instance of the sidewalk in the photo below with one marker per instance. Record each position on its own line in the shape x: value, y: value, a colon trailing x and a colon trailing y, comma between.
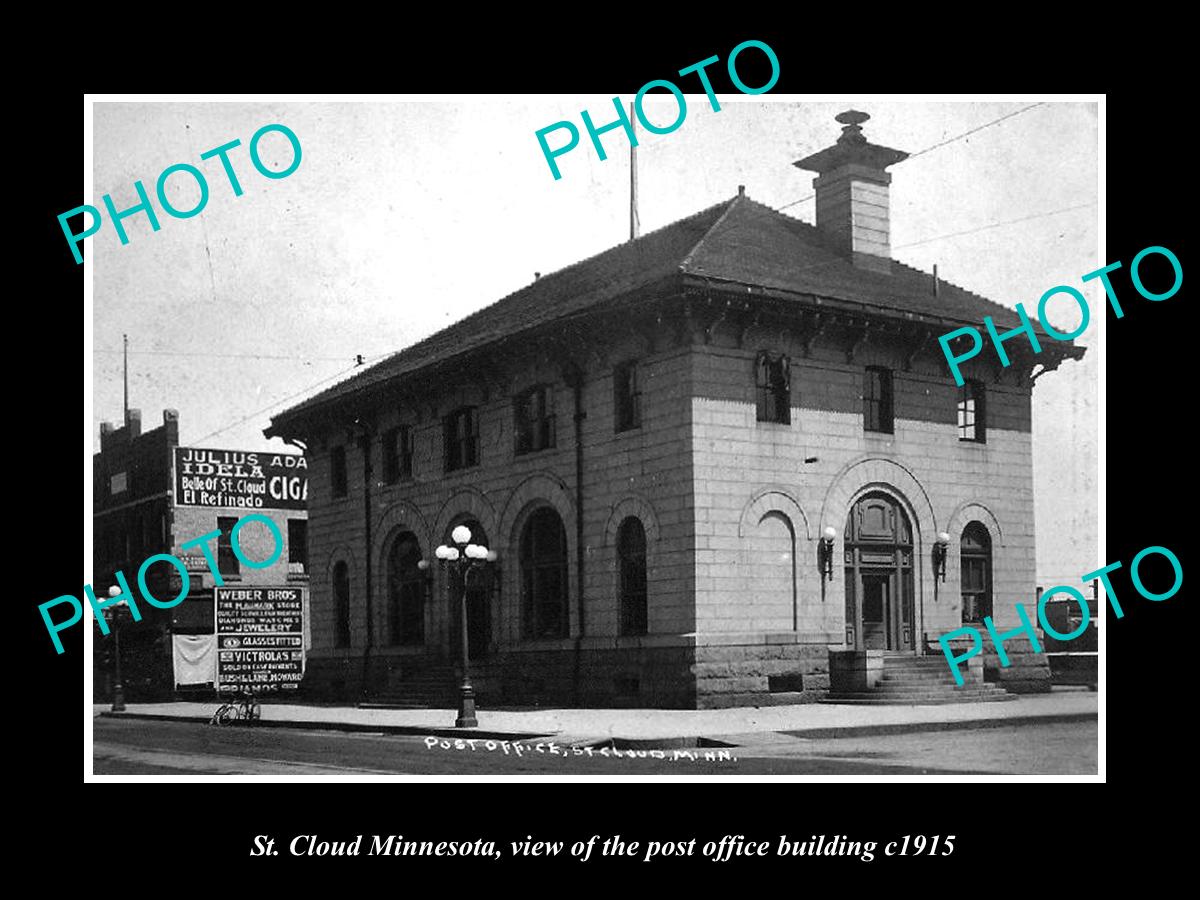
x: 657, y: 727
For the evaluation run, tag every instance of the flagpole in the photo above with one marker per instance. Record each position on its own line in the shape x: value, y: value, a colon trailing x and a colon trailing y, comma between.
x: 125, y: 341
x: 634, y: 225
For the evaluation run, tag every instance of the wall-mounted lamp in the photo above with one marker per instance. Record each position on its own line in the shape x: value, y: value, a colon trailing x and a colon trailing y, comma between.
x: 939, y: 555
x: 825, y: 552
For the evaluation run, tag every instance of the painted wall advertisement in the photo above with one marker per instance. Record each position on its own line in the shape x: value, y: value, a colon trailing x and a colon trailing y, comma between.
x: 260, y: 638
x: 233, y: 479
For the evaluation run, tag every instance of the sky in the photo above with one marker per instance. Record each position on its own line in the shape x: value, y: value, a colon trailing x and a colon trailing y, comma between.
x: 405, y: 216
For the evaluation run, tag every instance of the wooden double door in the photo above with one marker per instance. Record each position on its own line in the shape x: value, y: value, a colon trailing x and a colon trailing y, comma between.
x: 879, y: 576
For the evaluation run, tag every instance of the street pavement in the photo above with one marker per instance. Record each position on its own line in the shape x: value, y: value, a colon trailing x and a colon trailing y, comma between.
x: 173, y: 748
x: 659, y: 727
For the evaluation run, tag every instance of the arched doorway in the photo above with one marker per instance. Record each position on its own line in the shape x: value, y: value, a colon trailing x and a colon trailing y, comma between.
x: 879, y: 575
x: 479, y: 608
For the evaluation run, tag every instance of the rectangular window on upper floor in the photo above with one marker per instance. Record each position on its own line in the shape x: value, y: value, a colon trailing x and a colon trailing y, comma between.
x: 627, y: 398
x: 774, y: 389
x: 972, y: 412
x: 878, y: 400
x: 533, y: 419
x: 397, y: 454
x: 461, y: 439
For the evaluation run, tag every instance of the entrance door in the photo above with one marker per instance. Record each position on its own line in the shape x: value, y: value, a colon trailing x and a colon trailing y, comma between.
x: 877, y: 591
x: 879, y: 575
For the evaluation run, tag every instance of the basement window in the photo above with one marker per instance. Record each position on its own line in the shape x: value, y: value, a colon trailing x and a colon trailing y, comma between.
x: 625, y: 686
x: 792, y: 683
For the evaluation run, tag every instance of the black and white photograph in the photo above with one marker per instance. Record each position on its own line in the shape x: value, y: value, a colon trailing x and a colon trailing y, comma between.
x: 471, y: 437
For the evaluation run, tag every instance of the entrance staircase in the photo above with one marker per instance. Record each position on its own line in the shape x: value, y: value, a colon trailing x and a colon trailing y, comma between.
x: 920, y: 680
x: 432, y: 684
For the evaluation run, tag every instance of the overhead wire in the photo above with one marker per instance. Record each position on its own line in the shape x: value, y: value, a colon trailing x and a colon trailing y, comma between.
x: 354, y: 357
x: 957, y: 137
x: 270, y: 406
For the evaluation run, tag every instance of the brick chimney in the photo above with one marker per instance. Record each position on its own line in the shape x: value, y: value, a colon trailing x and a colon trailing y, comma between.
x: 171, y: 424
x: 852, y: 193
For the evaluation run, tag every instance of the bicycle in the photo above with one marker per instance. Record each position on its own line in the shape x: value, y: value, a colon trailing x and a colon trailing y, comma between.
x: 245, y: 709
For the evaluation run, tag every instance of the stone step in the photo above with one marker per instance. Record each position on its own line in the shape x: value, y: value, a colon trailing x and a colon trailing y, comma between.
x: 963, y: 697
x: 920, y: 693
x: 926, y: 689
x: 915, y: 662
x: 875, y: 700
x: 927, y: 681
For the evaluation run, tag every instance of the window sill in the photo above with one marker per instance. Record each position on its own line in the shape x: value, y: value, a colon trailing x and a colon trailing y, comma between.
x: 772, y: 424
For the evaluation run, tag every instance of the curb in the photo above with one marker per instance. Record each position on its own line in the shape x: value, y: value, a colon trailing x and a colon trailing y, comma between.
x: 619, y: 743
x: 917, y: 727
x: 343, y: 726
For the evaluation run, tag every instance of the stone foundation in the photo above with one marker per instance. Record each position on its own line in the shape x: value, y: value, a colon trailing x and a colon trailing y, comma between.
x: 663, y: 673
x: 1027, y: 672
x: 851, y: 671
x: 760, y: 674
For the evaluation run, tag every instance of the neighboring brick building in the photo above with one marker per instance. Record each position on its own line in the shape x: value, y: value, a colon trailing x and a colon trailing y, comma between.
x: 143, y: 504
x: 653, y: 440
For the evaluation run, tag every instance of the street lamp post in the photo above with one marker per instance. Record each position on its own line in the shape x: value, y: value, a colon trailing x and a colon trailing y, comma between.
x: 114, y: 617
x: 463, y: 561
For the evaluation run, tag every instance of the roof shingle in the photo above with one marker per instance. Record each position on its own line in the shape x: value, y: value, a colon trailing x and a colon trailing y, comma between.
x: 738, y: 240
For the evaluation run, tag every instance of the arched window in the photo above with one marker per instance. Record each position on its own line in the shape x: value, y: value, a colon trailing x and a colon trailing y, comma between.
x: 631, y: 557
x: 405, y: 591
x: 544, y: 575
x: 975, y: 556
x: 341, y: 605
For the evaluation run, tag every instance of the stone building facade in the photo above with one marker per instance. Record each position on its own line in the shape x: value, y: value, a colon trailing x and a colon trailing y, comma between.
x: 654, y: 441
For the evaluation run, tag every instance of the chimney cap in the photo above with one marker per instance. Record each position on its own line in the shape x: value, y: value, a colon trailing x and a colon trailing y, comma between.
x: 851, y: 148
x: 852, y: 117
